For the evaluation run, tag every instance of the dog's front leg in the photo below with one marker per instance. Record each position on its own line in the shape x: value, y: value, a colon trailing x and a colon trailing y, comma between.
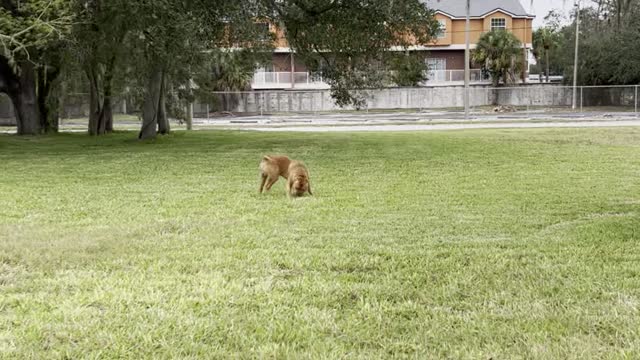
x: 288, y: 188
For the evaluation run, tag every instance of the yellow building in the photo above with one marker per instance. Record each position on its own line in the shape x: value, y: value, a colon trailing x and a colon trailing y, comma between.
x: 444, y: 55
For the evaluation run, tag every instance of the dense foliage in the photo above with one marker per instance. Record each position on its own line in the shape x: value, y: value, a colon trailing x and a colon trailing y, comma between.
x: 154, y: 50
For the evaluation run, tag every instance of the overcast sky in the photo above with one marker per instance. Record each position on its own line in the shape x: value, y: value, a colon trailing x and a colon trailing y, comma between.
x: 542, y: 7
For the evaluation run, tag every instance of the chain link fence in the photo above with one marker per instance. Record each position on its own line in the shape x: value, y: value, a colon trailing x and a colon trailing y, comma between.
x: 526, y: 101
x: 522, y: 99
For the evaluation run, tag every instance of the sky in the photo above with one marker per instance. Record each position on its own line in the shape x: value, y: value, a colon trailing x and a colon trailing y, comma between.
x: 542, y: 7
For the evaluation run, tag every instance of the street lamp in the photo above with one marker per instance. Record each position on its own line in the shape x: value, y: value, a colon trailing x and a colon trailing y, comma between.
x: 575, y: 59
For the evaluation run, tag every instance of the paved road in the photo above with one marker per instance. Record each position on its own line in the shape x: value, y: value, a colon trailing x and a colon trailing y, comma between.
x: 409, y: 117
x: 393, y: 121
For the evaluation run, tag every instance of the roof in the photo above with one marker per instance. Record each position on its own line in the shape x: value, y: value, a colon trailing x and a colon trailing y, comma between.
x: 479, y: 8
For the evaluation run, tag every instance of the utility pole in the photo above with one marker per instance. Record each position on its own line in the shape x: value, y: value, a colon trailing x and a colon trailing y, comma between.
x: 467, y: 59
x: 293, y: 71
x: 575, y: 59
x: 525, y: 53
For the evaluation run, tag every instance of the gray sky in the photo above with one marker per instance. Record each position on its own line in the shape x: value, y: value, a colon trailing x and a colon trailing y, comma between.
x: 542, y: 7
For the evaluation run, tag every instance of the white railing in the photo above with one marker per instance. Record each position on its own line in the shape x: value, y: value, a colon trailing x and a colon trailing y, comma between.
x: 283, y: 79
x: 442, y: 76
x: 305, y: 80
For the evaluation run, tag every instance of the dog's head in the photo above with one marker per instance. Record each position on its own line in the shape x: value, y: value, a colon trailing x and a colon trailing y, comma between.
x: 300, y: 185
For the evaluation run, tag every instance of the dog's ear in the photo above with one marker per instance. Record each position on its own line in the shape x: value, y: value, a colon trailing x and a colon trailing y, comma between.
x: 266, y: 158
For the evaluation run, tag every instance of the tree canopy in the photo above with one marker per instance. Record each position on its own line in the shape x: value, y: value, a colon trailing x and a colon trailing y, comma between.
x: 609, y: 39
x: 31, y: 38
x: 154, y: 47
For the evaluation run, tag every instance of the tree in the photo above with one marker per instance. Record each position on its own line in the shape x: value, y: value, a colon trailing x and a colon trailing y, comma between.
x: 174, y: 38
x: 545, y: 41
x: 98, y: 44
x: 168, y: 41
x: 608, y: 50
x: 408, y: 70
x: 499, y: 51
x: 350, y: 40
x: 228, y: 71
x: 31, y: 35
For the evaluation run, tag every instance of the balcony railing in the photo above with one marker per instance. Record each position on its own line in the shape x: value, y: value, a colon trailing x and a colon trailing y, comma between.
x: 444, y: 76
x: 305, y: 80
x: 264, y: 79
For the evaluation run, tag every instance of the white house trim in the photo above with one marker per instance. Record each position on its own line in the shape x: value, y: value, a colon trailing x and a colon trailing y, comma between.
x: 514, y: 16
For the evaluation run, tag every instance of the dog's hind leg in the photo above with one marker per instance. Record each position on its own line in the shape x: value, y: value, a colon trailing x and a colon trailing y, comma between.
x: 263, y: 180
x: 287, y: 186
x: 270, y: 182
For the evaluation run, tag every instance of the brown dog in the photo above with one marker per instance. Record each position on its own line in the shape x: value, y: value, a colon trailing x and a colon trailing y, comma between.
x: 298, y: 179
x: 271, y: 168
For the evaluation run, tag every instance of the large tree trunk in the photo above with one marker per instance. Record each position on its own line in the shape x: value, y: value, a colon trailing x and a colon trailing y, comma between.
x: 100, y: 98
x: 151, y: 107
x: 163, y: 120
x: 189, y: 109
x: 107, y: 111
x: 35, y: 107
x: 107, y: 114
x: 48, y: 100
x: 25, y: 102
x: 95, y: 103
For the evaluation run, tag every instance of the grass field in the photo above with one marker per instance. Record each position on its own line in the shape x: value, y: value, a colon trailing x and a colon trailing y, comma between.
x: 464, y: 245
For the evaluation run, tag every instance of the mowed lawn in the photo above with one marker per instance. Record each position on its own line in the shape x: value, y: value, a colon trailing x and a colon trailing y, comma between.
x: 465, y: 245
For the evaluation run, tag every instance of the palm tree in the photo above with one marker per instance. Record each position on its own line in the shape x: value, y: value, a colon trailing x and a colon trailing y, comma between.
x: 229, y: 72
x: 499, y: 51
x: 232, y: 71
x: 545, y: 40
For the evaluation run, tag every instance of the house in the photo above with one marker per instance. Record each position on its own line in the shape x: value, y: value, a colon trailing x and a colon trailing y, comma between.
x: 444, y: 54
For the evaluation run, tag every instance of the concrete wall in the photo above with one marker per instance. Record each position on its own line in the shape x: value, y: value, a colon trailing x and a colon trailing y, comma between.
x: 439, y: 97
x: 392, y: 98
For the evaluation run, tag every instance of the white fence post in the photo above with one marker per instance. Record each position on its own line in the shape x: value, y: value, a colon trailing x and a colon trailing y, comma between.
x: 581, y: 87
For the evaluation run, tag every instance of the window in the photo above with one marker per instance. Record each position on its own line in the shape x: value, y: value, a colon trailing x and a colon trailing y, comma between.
x: 498, y: 24
x: 442, y: 31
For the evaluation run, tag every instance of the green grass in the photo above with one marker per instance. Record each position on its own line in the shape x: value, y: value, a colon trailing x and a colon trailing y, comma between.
x: 465, y: 245
x: 117, y: 118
